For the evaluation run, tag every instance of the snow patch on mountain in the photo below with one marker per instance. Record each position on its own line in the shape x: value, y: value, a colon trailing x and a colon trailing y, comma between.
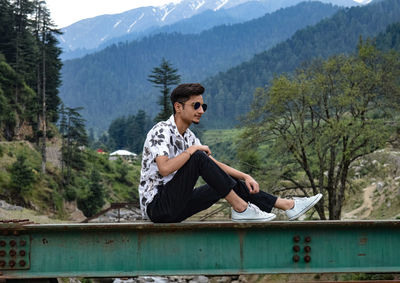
x: 223, y: 2
x: 197, y: 4
x: 117, y: 23
x: 134, y: 23
x: 166, y: 13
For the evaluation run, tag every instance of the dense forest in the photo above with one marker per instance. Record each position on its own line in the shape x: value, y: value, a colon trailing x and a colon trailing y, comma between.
x: 127, y: 132
x: 230, y: 93
x: 34, y: 124
x: 30, y: 70
x: 113, y: 82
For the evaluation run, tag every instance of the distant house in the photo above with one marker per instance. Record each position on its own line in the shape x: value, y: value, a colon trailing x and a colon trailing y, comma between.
x: 100, y: 151
x: 124, y: 154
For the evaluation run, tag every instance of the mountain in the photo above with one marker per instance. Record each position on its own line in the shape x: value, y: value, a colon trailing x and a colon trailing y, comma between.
x: 90, y: 33
x: 230, y: 94
x: 187, y: 16
x: 390, y: 39
x: 195, y: 24
x: 113, y: 82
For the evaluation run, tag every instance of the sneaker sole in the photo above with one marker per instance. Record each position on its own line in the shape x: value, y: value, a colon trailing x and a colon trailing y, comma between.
x: 306, y: 209
x: 255, y: 220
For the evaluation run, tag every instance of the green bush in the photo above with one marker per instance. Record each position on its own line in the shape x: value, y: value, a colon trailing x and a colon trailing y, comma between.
x: 22, y: 177
x: 93, y: 199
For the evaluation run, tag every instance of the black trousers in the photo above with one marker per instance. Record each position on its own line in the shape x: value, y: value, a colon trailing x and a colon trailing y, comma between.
x: 177, y: 200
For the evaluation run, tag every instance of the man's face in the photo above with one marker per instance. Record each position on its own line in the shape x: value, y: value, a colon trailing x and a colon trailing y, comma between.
x: 188, y: 112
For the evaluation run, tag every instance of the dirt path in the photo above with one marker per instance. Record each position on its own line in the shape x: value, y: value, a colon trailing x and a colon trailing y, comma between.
x: 366, y: 208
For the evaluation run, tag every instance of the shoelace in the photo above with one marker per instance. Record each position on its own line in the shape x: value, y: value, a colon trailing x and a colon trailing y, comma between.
x: 256, y: 208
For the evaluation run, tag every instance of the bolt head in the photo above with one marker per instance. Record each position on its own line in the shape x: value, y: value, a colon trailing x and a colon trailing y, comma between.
x: 296, y: 239
x: 296, y: 258
x: 22, y: 253
x: 22, y: 263
x: 11, y: 263
x: 307, y: 249
x: 296, y: 248
x: 307, y: 258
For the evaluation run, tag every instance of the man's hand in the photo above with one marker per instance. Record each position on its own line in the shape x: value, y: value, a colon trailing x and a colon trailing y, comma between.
x: 251, y: 184
x: 195, y: 148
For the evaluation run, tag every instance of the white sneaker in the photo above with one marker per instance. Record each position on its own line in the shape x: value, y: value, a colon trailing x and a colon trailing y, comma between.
x: 301, y: 206
x: 252, y: 213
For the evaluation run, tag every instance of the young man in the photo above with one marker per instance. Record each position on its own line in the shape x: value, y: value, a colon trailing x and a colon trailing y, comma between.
x: 173, y: 160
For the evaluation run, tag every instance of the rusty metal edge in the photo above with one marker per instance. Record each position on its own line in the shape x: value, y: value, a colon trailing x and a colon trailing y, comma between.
x: 146, y: 226
x: 203, y: 272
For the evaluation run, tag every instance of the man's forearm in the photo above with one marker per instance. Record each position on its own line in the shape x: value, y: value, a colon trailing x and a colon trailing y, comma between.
x: 229, y: 170
x: 167, y: 166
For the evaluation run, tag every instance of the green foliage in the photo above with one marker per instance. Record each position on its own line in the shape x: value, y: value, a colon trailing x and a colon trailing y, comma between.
x: 128, y: 132
x: 13, y: 108
x: 93, y: 199
x: 74, y: 138
x: 324, y: 117
x: 117, y: 76
x: 116, y: 181
x: 390, y: 39
x: 229, y: 93
x: 22, y: 178
x: 29, y: 68
x: 164, y: 77
x: 222, y: 144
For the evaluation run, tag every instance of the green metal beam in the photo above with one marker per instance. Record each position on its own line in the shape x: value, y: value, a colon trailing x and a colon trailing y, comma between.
x: 213, y: 248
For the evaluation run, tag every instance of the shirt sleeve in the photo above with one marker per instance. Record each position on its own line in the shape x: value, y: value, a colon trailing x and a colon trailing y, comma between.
x: 197, y: 141
x: 158, y: 143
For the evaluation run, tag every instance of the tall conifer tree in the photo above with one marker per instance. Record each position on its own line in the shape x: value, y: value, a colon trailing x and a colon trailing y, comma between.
x: 163, y: 77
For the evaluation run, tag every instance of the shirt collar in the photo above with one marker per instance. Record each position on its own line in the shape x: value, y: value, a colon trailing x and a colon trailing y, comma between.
x: 171, y: 120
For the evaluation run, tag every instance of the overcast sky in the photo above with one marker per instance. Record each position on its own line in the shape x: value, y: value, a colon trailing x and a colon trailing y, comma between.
x: 66, y: 12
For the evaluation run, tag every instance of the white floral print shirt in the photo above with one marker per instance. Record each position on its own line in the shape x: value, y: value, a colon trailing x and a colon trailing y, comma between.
x: 163, y: 139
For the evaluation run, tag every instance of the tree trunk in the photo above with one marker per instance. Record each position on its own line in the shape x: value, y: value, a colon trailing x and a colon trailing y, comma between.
x: 44, y: 134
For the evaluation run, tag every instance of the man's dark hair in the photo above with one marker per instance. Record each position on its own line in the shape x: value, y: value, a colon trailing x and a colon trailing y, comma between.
x: 183, y: 92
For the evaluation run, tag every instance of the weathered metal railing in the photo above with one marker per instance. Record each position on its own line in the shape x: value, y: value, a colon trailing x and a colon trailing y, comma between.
x: 208, y: 248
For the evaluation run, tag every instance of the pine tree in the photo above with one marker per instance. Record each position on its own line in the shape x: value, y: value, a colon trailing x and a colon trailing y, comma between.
x: 74, y: 134
x: 47, y: 70
x: 94, y: 200
x: 22, y: 178
x: 163, y: 77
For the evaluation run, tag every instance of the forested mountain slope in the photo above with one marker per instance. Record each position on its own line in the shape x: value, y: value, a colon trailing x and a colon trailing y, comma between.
x: 188, y: 16
x: 390, y: 39
x: 113, y: 82
x: 229, y: 94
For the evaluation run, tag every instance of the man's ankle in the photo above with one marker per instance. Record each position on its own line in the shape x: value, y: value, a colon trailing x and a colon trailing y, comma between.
x: 240, y: 208
x: 284, y: 204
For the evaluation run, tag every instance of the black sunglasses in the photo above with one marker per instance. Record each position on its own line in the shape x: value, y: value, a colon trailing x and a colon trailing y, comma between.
x: 196, y: 105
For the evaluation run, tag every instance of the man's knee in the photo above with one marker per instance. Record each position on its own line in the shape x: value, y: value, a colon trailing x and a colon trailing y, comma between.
x: 199, y: 154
